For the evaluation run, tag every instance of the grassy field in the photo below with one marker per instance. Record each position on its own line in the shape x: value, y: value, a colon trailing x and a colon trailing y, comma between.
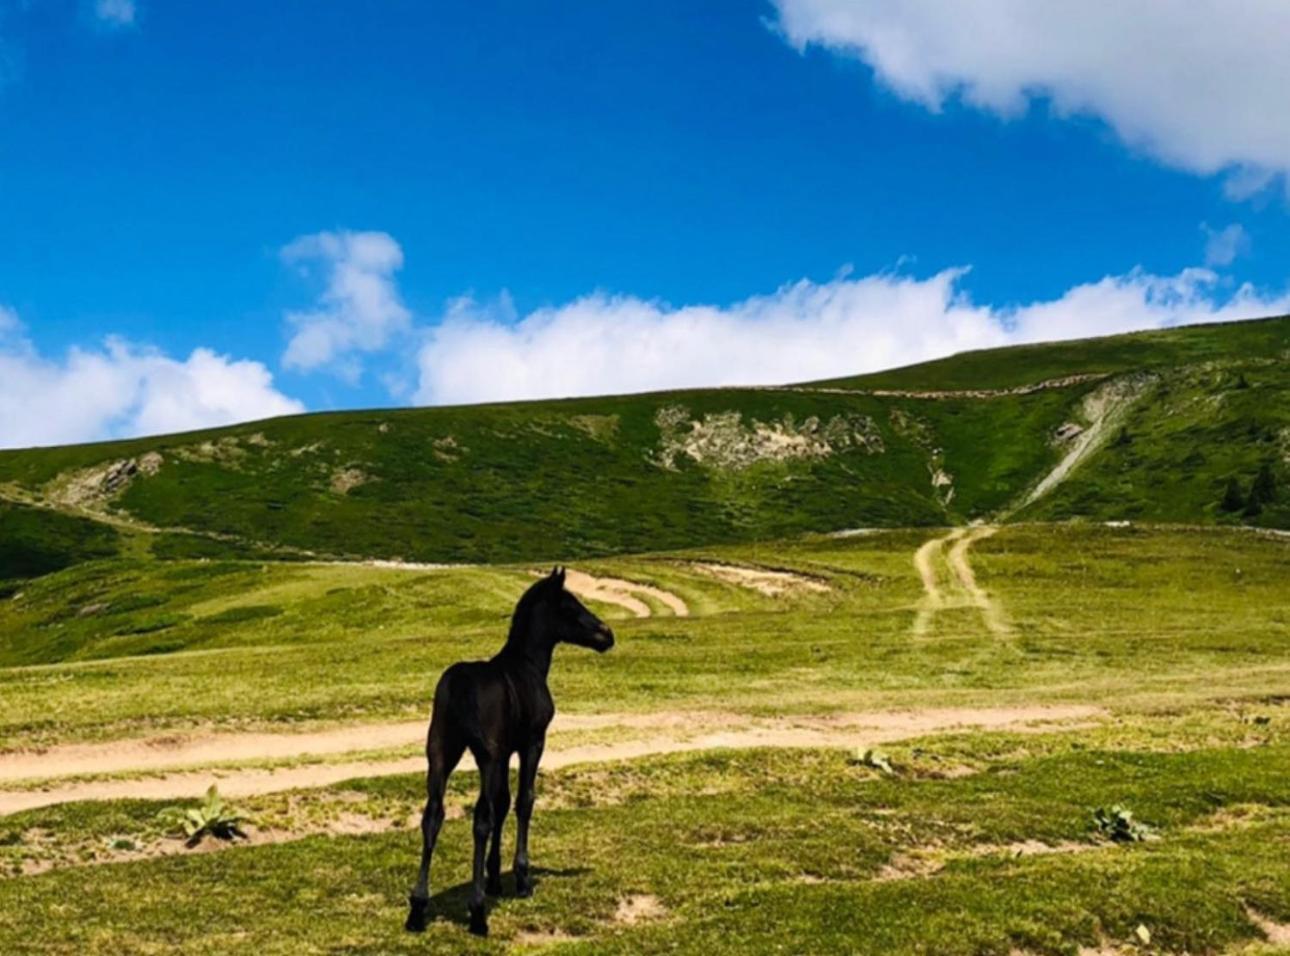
x: 1174, y: 640
x: 886, y: 646
x: 734, y: 852
x: 1092, y: 610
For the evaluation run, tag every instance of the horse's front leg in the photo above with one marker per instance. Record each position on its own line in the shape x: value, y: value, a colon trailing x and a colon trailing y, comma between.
x: 491, y: 770
x: 529, y: 758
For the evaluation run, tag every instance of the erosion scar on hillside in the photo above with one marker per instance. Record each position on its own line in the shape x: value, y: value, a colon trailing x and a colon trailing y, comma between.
x: 948, y: 556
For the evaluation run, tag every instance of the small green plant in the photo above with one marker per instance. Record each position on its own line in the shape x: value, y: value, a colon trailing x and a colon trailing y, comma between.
x: 212, y: 818
x: 1118, y: 825
x: 875, y: 760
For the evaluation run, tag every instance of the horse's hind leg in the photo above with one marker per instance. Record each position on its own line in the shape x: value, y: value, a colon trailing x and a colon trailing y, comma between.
x: 501, y: 801
x: 443, y: 754
x: 490, y: 768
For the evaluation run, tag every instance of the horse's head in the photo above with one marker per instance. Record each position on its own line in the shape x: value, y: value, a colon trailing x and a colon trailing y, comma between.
x: 567, y: 619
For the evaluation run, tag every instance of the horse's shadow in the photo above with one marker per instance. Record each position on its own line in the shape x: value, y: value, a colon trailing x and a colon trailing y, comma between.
x: 452, y: 904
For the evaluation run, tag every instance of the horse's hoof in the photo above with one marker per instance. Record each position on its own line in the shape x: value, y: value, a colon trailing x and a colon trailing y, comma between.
x: 478, y: 921
x: 418, y: 915
x: 524, y: 890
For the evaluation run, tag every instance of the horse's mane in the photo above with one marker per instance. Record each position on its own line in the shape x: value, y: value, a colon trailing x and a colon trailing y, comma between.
x: 520, y: 618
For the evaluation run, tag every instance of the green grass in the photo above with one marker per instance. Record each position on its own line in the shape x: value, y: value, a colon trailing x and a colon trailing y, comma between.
x: 562, y: 479
x: 1126, y: 616
x: 532, y: 480
x: 780, y: 849
x: 1179, y: 633
x: 34, y: 541
x: 1024, y: 364
x: 189, y: 603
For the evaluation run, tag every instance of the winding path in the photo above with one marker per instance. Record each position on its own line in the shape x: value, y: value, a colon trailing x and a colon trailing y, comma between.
x: 172, y: 766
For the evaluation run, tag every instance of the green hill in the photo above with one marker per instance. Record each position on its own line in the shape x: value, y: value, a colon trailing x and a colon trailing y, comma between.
x: 1017, y: 365
x: 1151, y: 426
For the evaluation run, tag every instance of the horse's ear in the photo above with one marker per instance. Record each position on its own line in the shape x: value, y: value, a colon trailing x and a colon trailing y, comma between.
x: 560, y: 576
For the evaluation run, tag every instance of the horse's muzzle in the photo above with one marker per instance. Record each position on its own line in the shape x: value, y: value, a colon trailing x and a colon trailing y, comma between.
x: 606, y: 639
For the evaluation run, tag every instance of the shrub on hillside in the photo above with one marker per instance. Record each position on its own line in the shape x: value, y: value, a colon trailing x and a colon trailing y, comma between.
x: 1265, y: 485
x: 1233, y: 500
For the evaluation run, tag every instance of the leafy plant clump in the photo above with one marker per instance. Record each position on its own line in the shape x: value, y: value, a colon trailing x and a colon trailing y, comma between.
x: 211, y: 818
x: 874, y: 759
x: 1118, y: 825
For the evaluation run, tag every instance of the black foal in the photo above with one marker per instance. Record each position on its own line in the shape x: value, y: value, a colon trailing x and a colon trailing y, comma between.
x: 497, y: 708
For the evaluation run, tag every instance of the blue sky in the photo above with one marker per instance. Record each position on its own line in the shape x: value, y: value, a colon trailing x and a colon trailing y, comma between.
x: 222, y: 211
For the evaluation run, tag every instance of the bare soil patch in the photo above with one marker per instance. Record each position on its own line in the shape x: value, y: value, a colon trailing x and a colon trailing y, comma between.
x: 910, y: 866
x: 537, y: 939
x: 638, y: 908
x: 625, y: 594
x: 763, y: 580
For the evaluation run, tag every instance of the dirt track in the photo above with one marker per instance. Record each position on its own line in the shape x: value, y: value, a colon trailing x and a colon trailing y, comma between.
x: 962, y: 590
x: 991, y: 612
x: 668, y: 733
x: 625, y: 594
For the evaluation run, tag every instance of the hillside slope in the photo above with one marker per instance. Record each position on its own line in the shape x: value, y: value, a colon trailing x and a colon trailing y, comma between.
x: 1022, y: 364
x: 1151, y: 426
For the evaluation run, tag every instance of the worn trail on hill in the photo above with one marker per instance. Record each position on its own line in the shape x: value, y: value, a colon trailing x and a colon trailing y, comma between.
x: 950, y: 553
x: 675, y: 732
x: 625, y: 594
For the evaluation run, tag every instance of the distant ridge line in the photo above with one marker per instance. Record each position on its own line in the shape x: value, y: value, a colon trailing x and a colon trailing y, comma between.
x: 1064, y: 381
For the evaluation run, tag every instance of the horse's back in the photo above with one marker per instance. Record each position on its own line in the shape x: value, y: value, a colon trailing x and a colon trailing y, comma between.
x: 489, y: 709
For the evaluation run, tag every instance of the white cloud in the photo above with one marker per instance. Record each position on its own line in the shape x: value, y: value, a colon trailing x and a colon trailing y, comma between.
x: 117, y: 13
x: 121, y: 390
x: 610, y: 344
x: 359, y: 310
x: 1199, y: 84
x: 1222, y: 246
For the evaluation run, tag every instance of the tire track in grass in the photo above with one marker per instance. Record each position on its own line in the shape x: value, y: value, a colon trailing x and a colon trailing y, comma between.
x: 991, y: 612
x: 948, y: 556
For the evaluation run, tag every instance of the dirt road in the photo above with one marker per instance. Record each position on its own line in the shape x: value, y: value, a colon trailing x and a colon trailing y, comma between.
x: 947, y: 557
x: 170, y: 763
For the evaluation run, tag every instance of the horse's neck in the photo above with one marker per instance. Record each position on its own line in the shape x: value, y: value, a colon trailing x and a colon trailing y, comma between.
x: 524, y: 646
